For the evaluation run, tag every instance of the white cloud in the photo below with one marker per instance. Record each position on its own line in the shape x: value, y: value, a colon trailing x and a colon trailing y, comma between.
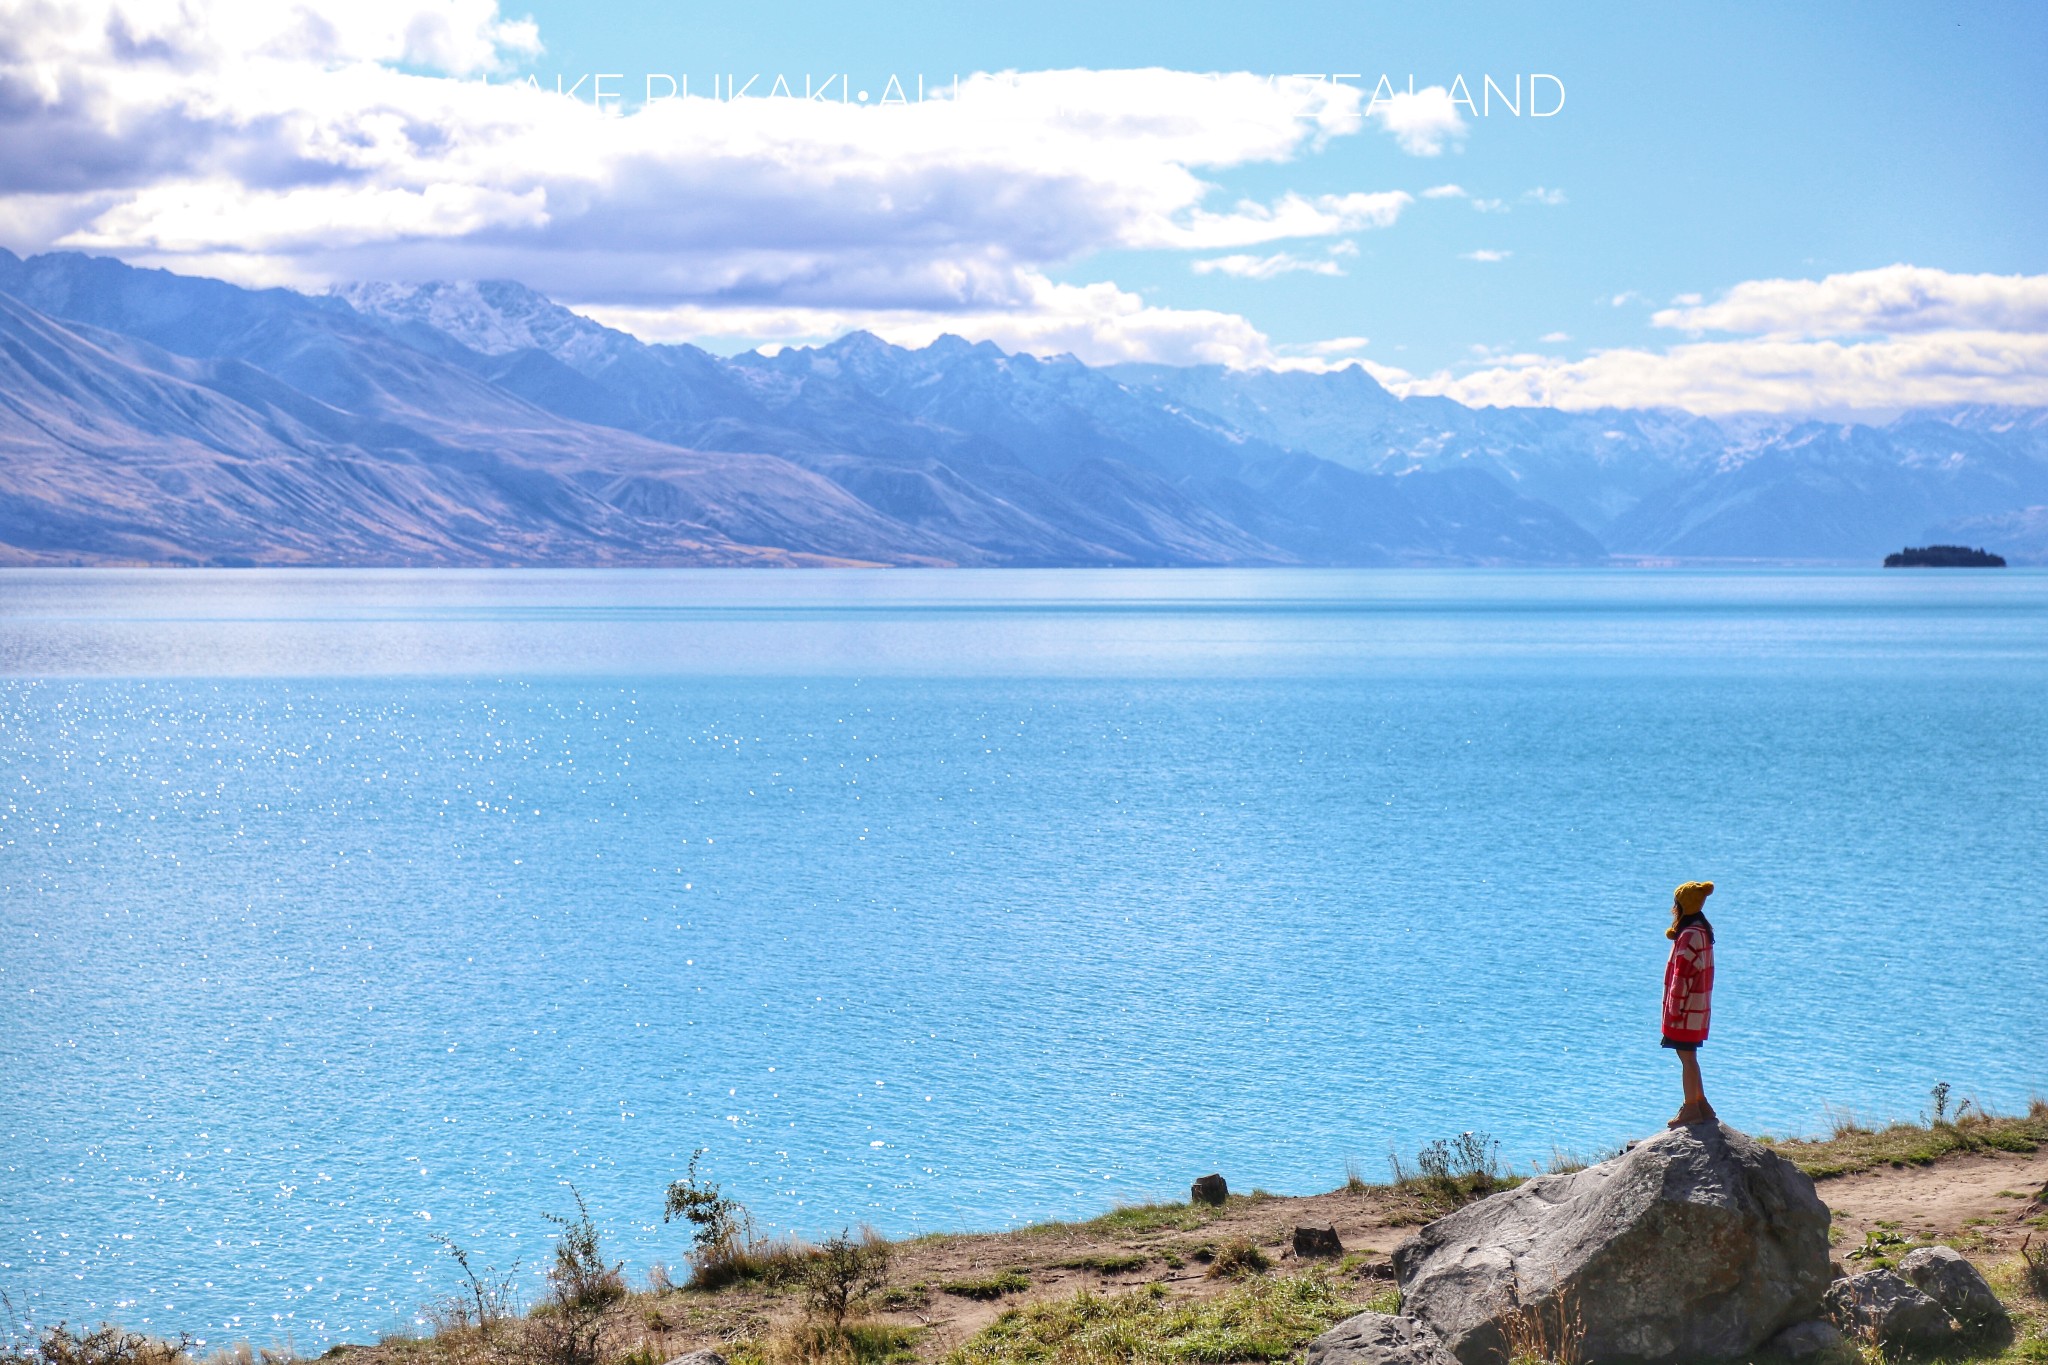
x: 1291, y: 215
x: 1540, y: 195
x: 1485, y: 255
x: 282, y: 143
x: 1490, y: 205
x: 1423, y: 122
x: 1444, y: 192
x: 1334, y: 346
x: 1769, y: 375
x: 1897, y: 298
x: 1099, y: 323
x: 1872, y: 341
x: 1555, y: 337
x: 1264, y: 267
x: 159, y: 37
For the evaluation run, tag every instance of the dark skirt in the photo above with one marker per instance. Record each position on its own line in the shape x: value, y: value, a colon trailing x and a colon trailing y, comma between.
x: 1677, y: 1046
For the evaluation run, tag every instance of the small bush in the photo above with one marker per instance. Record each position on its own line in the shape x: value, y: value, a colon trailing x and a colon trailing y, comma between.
x: 844, y: 1273
x: 987, y: 1287
x: 579, y: 1278
x: 1241, y: 1257
x: 556, y: 1334
x: 2034, y: 1267
x: 103, y: 1345
x: 572, y: 1324
x: 486, y: 1298
x: 722, y: 1230
x: 1454, y: 1171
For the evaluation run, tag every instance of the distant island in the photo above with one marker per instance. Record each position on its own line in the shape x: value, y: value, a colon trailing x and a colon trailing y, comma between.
x: 1943, y: 557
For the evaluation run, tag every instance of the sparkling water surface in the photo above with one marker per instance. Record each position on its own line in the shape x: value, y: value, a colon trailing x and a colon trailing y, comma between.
x: 342, y: 909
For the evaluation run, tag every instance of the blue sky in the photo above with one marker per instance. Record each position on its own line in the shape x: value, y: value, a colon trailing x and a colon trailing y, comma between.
x: 1701, y: 144
x: 1794, y: 152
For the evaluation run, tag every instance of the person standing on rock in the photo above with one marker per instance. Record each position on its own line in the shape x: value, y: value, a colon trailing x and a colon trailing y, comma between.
x: 1688, y: 995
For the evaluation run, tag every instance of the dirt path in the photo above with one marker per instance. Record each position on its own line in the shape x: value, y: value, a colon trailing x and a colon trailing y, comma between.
x: 1991, y: 1196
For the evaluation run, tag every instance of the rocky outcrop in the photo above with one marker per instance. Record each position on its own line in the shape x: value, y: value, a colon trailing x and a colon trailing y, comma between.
x: 1698, y: 1244
x: 1376, y: 1339
x: 1882, y: 1304
x: 1946, y: 1276
x: 1208, y: 1189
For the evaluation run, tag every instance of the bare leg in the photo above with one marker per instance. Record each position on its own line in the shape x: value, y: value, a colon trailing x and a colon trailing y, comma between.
x: 1689, y: 1074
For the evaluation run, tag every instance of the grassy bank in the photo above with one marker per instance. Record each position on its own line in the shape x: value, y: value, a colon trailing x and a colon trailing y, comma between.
x: 1152, y: 1284
x: 1852, y: 1147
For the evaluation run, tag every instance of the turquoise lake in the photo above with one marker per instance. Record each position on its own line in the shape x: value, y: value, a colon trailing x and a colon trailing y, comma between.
x: 343, y: 909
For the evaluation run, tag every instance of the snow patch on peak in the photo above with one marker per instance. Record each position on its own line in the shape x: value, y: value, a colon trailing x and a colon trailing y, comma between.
x: 495, y: 317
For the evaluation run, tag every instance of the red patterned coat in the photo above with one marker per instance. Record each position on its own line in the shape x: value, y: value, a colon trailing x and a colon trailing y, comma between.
x: 1689, y: 984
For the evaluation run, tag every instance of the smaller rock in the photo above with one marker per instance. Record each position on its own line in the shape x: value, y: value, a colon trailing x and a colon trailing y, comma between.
x: 1377, y: 1339
x: 1884, y: 1304
x: 1946, y: 1276
x: 1317, y: 1242
x: 702, y: 1356
x: 1805, y: 1340
x: 1208, y: 1189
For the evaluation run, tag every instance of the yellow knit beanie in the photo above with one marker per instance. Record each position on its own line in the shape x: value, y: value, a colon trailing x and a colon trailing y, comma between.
x: 1690, y: 897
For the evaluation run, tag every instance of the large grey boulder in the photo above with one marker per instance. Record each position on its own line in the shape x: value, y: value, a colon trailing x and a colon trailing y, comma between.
x: 1884, y: 1305
x: 1946, y: 1276
x: 1698, y: 1244
x: 1376, y: 1339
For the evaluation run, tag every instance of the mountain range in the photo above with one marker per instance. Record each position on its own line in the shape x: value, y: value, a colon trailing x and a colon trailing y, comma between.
x: 147, y: 417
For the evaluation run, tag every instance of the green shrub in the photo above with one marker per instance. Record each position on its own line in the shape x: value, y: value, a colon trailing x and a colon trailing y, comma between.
x: 844, y: 1273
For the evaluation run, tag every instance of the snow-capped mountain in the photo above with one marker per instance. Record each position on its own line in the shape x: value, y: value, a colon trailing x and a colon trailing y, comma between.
x: 152, y: 417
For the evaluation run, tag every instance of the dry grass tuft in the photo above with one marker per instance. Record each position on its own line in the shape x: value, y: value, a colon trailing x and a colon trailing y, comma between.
x: 1239, y: 1257
x: 811, y: 1342
x: 1549, y: 1332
